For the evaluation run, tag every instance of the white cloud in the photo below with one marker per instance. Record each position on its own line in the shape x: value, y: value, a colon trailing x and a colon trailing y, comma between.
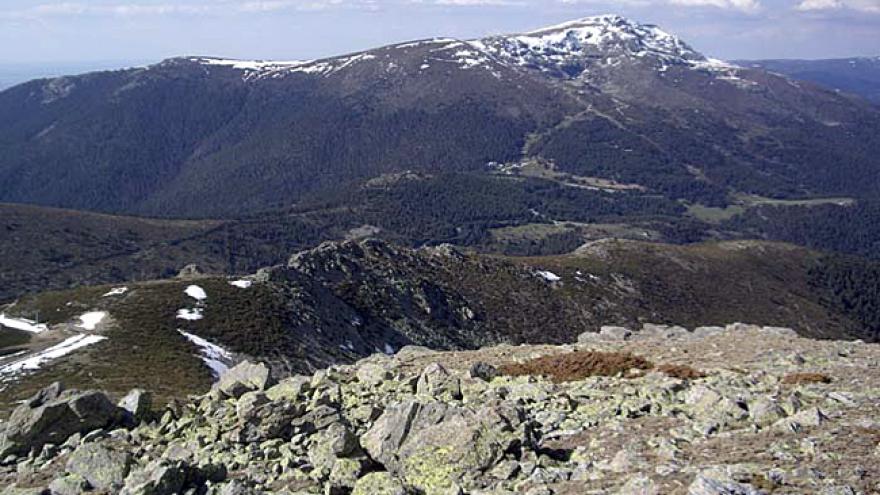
x: 819, y: 4
x: 148, y: 8
x: 872, y: 6
x: 749, y: 6
x: 742, y: 5
x: 471, y: 3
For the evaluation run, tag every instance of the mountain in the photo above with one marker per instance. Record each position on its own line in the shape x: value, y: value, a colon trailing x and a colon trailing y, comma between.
x: 858, y: 76
x: 343, y: 301
x: 602, y: 99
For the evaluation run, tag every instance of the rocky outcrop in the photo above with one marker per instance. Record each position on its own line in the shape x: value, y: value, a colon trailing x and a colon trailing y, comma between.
x: 243, y: 378
x: 53, y: 415
x: 767, y: 412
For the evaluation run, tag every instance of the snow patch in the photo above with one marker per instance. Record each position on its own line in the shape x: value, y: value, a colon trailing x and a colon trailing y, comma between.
x: 242, y: 284
x: 214, y: 356
x: 260, y: 69
x: 250, y: 65
x: 196, y: 292
x: 549, y: 276
x: 22, y: 324
x: 116, y: 292
x: 566, y: 47
x: 190, y: 314
x: 389, y: 349
x: 434, y: 41
x: 64, y: 348
x: 90, y: 320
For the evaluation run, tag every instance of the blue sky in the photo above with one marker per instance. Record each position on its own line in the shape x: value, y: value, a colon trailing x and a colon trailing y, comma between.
x: 120, y: 31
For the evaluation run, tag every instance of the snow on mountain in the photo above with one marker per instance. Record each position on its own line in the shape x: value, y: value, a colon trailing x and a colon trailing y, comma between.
x: 90, y: 320
x: 22, y: 324
x: 215, y: 357
x: 260, y: 69
x: 35, y: 361
x: 567, y: 49
x: 196, y: 292
x: 605, y: 41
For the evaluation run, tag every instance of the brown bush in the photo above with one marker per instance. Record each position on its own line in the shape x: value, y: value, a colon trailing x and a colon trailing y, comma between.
x: 681, y: 371
x: 577, y: 365
x: 806, y: 378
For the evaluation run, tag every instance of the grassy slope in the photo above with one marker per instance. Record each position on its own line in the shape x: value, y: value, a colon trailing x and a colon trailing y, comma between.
x: 48, y: 248
x: 610, y: 282
x: 711, y: 283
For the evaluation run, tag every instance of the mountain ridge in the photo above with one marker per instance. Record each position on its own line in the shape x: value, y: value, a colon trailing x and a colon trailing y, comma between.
x: 346, y: 300
x: 199, y: 137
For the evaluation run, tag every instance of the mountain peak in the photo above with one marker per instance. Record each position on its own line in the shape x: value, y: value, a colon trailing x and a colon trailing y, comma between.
x: 607, y: 40
x: 605, y: 19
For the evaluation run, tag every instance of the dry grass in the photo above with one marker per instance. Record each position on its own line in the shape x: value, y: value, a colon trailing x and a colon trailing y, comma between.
x: 578, y: 365
x: 582, y: 364
x: 681, y: 371
x: 806, y: 378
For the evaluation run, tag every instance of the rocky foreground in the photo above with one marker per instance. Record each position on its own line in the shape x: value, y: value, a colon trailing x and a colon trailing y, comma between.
x: 736, y: 410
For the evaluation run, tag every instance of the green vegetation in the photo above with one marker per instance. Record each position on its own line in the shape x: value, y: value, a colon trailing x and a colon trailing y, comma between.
x: 714, y: 215
x: 851, y: 286
x: 11, y: 339
x: 843, y: 229
x: 348, y: 300
x: 143, y: 347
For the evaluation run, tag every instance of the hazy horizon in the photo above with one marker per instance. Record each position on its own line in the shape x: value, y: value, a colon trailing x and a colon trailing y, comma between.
x: 35, y: 32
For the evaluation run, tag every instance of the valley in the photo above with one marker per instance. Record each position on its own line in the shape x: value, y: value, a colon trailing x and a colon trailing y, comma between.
x: 585, y: 258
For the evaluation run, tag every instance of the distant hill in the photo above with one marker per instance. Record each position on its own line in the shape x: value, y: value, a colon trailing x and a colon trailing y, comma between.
x: 859, y: 76
x: 342, y: 301
x: 601, y: 98
x: 12, y: 74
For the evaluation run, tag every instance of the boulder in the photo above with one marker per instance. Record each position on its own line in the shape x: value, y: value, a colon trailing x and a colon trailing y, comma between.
x: 373, y: 374
x: 191, y: 270
x: 587, y: 337
x: 765, y: 411
x: 615, y: 333
x: 434, y: 447
x: 244, y: 377
x: 317, y: 419
x: 290, y: 389
x: 703, y: 332
x: 482, y: 371
x: 105, y: 469
x: 652, y: 330
x: 435, y: 381
x: 717, y: 482
x: 811, y: 417
x: 161, y: 477
x: 267, y: 421
x: 329, y: 445
x: 345, y: 472
x: 235, y: 487
x: 248, y: 402
x: 68, y: 484
x: 639, y: 485
x: 138, y: 405
x: 708, y: 403
x: 387, y: 435
x: 379, y: 483
x: 52, y: 415
x: 781, y: 332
